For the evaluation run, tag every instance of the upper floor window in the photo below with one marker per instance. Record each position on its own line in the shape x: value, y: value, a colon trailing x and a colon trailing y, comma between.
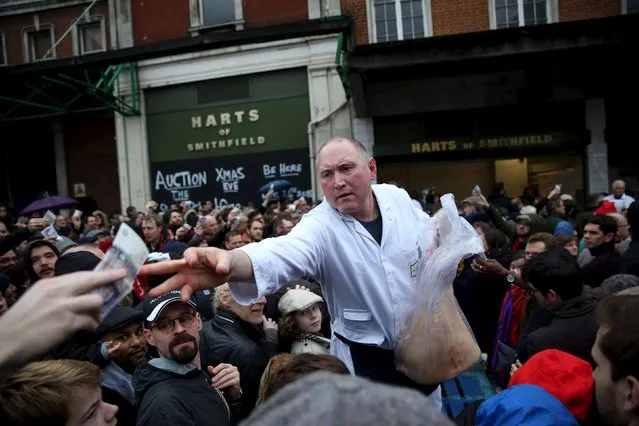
x: 215, y: 13
x: 38, y: 42
x: 399, y: 19
x: 91, y: 36
x: 3, y: 50
x: 630, y: 6
x: 519, y: 13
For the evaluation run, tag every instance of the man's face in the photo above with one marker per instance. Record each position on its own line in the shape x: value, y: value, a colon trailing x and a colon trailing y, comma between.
x: 3, y: 230
x: 151, y: 231
x: 211, y: 226
x: 610, y: 395
x: 345, y: 177
x: 594, y: 236
x: 468, y: 209
x: 92, y: 222
x: 11, y: 295
x: 252, y: 314
x: 3, y: 305
x: 533, y: 249
x: 561, y: 210
x: 256, y: 231
x: 523, y: 228
x: 61, y: 222
x: 176, y: 219
x: 132, y: 350
x: 7, y: 260
x: 285, y: 228
x: 208, y: 206
x: 619, y: 189
x: 182, y: 343
x: 234, y: 242
x: 43, y: 261
x: 623, y: 230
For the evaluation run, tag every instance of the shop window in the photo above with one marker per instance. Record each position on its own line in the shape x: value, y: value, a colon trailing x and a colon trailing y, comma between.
x: 3, y: 50
x: 91, y: 36
x: 630, y: 6
x: 38, y: 42
x: 400, y: 19
x: 519, y: 13
x: 216, y: 13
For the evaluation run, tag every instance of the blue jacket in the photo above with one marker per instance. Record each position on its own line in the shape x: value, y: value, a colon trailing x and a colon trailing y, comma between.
x: 524, y: 405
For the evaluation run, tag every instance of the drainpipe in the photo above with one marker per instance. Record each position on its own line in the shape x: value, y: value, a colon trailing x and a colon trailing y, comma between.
x: 311, y: 143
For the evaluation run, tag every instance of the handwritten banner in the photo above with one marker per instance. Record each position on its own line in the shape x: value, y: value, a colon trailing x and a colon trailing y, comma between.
x: 232, y: 180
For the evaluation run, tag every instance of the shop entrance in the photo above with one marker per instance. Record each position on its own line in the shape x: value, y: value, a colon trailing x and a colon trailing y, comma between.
x: 459, y: 177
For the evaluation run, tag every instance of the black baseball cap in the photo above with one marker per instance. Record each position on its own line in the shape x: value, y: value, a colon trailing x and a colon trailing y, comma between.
x: 154, y: 307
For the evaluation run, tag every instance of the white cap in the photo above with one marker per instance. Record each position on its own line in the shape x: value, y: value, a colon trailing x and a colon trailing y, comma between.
x: 297, y: 300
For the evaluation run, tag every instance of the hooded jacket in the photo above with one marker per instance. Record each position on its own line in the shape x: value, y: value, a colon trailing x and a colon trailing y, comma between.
x: 524, y: 405
x: 172, y: 394
x: 28, y: 265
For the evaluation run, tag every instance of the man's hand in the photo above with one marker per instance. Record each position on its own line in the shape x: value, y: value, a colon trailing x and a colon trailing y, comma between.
x: 514, y: 367
x: 37, y: 224
x: 226, y: 377
x: 201, y: 268
x: 52, y: 310
x: 489, y: 267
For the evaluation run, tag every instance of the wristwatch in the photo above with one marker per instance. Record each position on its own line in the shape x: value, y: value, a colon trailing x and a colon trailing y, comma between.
x: 510, y: 277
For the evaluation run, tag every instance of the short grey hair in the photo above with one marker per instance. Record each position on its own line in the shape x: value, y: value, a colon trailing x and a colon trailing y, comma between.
x: 619, y: 282
x: 618, y: 182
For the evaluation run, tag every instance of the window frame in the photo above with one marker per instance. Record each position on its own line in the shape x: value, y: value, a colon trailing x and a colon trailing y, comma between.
x: 552, y: 13
x: 3, y: 44
x: 196, y: 8
x: 27, y: 45
x: 428, y: 20
x: 78, y: 45
x: 624, y: 8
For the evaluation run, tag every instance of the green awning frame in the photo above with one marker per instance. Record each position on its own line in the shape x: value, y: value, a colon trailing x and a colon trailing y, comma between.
x: 66, y: 93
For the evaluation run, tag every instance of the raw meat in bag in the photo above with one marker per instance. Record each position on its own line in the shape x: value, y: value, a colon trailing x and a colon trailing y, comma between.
x: 435, y: 342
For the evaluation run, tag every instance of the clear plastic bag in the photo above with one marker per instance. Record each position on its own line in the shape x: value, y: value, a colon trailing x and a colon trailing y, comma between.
x: 435, y: 342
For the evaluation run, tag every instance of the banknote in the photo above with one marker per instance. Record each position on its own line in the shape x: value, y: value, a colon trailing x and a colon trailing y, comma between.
x: 49, y: 232
x: 127, y: 252
x: 49, y: 216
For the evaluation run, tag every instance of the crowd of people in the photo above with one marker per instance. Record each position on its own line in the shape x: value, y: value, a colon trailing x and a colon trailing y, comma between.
x: 285, y: 312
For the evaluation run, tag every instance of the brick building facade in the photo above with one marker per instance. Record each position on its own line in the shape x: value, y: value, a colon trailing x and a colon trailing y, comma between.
x: 471, y: 71
x: 103, y: 143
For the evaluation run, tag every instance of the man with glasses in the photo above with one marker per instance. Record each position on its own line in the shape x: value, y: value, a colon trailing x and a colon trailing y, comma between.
x: 173, y: 389
x: 566, y: 320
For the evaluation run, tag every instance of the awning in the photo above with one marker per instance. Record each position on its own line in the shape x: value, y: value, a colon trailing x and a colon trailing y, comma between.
x: 578, y: 47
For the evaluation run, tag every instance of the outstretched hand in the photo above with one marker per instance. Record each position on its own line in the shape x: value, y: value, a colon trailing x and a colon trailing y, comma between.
x: 201, y: 268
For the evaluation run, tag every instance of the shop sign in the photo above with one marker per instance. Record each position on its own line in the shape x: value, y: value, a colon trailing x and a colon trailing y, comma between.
x: 483, y: 144
x: 262, y: 126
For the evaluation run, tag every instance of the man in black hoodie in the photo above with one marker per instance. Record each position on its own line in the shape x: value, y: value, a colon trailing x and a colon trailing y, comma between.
x: 173, y: 390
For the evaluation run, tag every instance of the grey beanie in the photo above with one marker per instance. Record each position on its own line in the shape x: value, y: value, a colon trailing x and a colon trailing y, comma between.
x: 324, y: 398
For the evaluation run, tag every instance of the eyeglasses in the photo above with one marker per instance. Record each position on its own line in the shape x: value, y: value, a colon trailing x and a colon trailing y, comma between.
x: 167, y: 325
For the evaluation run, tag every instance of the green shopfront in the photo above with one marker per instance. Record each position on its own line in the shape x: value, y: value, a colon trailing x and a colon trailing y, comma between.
x: 224, y: 139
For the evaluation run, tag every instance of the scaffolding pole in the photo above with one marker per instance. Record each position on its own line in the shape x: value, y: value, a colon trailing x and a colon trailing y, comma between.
x: 73, y: 24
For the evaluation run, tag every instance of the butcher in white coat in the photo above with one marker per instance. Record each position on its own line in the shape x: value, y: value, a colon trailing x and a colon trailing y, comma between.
x: 361, y: 243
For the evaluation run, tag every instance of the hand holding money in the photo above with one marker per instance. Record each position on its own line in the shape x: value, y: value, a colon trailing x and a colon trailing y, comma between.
x: 201, y: 268
x: 49, y: 312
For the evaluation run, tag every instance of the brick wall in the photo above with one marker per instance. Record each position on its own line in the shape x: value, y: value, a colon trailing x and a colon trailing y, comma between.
x: 356, y: 10
x: 92, y: 159
x: 159, y: 20
x: 12, y: 27
x: 459, y: 16
x: 573, y: 10
x: 261, y: 13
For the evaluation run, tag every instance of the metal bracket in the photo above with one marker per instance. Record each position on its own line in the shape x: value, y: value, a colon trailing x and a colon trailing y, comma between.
x: 65, y: 93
